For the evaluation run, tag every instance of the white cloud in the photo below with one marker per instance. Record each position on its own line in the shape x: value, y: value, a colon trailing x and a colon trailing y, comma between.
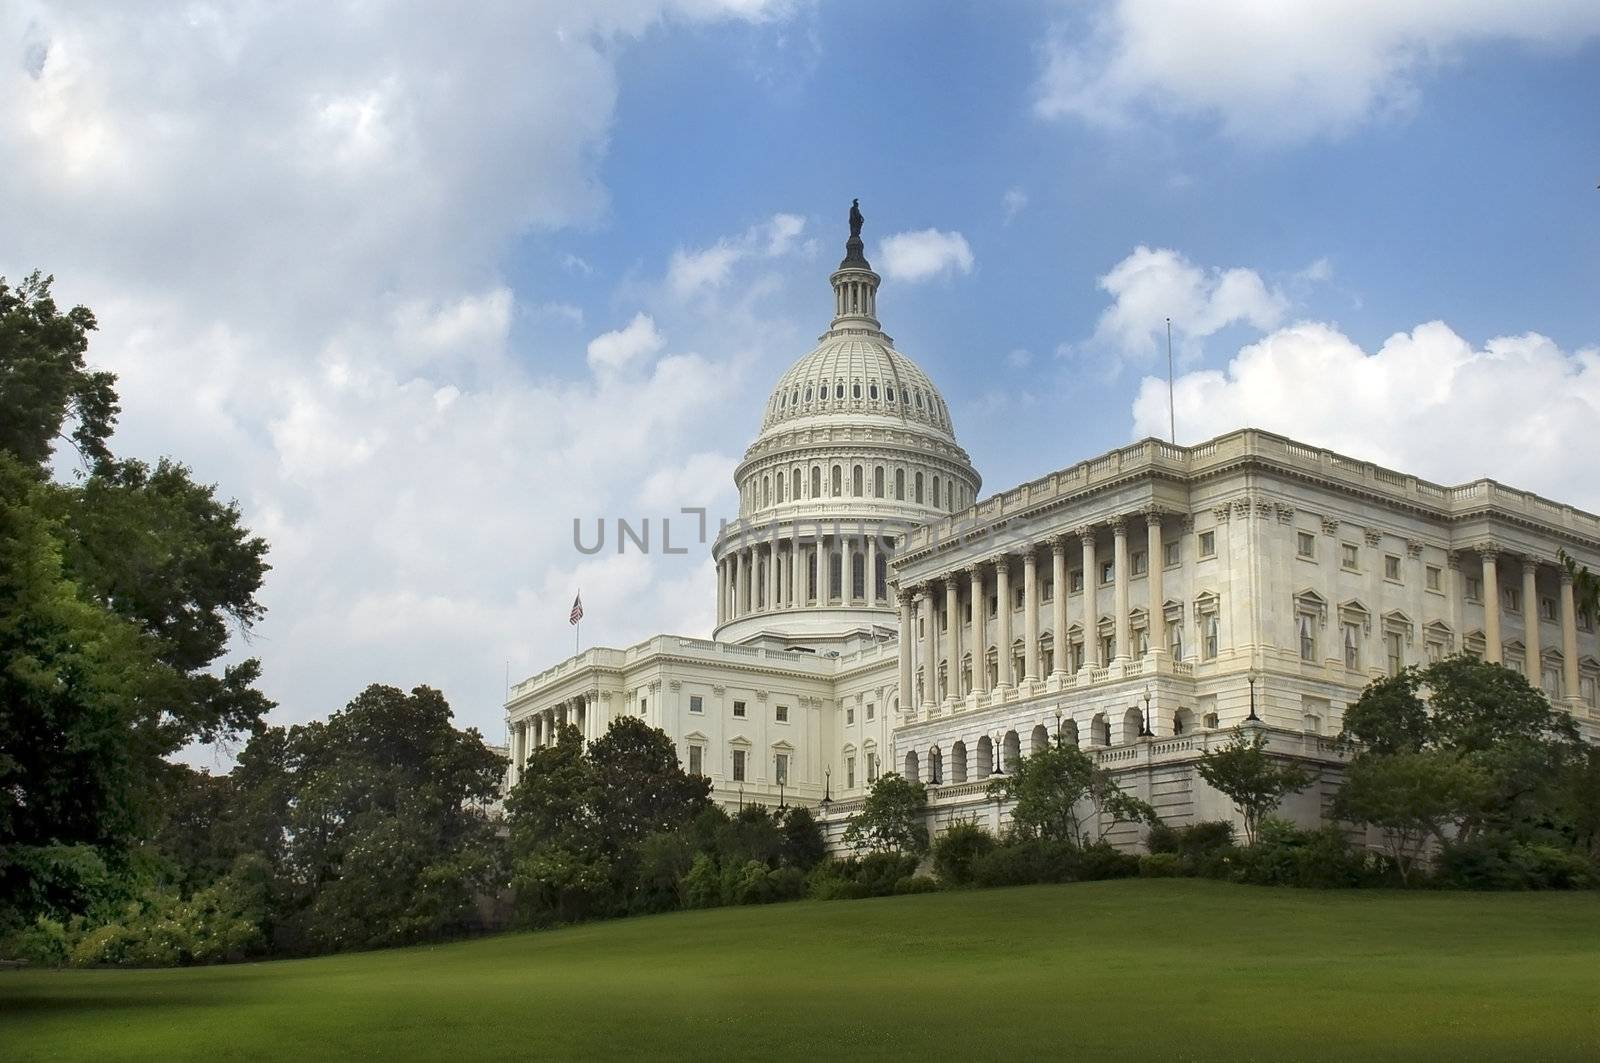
x: 1020, y: 358
x: 291, y: 221
x: 1280, y: 71
x: 693, y: 273
x: 1426, y: 402
x: 613, y: 350
x: 1153, y: 284
x: 917, y: 256
x: 1013, y: 203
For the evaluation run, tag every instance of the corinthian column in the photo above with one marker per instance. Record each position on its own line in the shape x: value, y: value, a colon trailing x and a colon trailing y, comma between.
x: 1002, y: 584
x: 908, y: 642
x: 1155, y: 563
x: 930, y: 649
x: 1534, y: 661
x: 1058, y: 607
x: 872, y: 569
x: 1119, y: 532
x: 980, y: 632
x: 1091, y: 604
x: 1030, y: 613
x: 952, y: 642
x: 1569, y: 636
x: 1491, y: 605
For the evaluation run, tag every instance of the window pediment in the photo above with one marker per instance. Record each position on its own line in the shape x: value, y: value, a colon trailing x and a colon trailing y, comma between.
x: 1353, y: 612
x: 1397, y: 623
x: 1207, y: 602
x: 1173, y: 610
x: 739, y: 742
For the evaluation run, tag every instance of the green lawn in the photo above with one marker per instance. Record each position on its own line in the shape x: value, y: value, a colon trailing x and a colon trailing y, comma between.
x: 1140, y: 969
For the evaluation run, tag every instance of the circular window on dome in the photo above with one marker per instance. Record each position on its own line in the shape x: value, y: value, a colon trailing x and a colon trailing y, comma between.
x: 855, y: 391
x: 872, y: 391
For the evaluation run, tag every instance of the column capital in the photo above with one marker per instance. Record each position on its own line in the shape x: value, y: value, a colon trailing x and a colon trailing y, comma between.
x: 1058, y: 544
x: 1030, y: 559
x: 975, y: 569
x: 1085, y: 531
x: 1565, y: 574
x: 1487, y: 550
x: 1119, y: 524
x: 1154, y: 514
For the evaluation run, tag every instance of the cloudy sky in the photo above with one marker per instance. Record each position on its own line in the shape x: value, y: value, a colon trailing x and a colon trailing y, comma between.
x: 418, y: 288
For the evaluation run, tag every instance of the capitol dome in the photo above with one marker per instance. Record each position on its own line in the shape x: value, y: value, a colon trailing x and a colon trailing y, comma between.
x: 856, y: 448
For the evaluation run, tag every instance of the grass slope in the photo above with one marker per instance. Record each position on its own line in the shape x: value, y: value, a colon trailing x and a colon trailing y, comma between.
x: 1149, y: 970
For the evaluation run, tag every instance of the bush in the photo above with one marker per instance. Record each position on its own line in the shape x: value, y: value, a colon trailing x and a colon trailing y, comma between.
x: 1025, y: 861
x: 916, y: 884
x: 1102, y: 860
x: 1497, y: 862
x: 1161, y: 865
x: 957, y: 851
x: 1193, y: 842
x: 44, y: 944
x: 1285, y: 855
x: 702, y: 886
x: 873, y: 875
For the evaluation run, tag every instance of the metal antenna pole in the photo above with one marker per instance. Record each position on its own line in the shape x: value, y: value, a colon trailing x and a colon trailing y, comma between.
x: 1172, y: 411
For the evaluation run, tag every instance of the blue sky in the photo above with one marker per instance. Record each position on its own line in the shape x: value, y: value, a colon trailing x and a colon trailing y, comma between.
x: 418, y: 290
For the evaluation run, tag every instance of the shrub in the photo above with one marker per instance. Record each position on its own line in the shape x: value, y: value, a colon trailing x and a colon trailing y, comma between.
x: 1024, y: 861
x: 957, y: 851
x: 916, y: 884
x: 1161, y: 865
x: 702, y: 886
x: 1194, y: 841
x: 1285, y: 855
x: 1493, y: 861
x: 873, y: 875
x: 43, y: 944
x: 1102, y: 860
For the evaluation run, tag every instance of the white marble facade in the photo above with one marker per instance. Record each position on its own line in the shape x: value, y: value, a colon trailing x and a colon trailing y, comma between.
x: 1142, y: 603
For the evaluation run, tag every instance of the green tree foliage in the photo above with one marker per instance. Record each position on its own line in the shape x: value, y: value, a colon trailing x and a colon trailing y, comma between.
x: 803, y: 844
x: 1255, y: 781
x: 891, y: 818
x: 1415, y: 796
x: 44, y: 379
x: 1498, y: 752
x: 1053, y: 786
x: 383, y: 837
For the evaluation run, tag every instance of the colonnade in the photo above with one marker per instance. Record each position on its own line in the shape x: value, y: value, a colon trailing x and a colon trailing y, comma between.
x: 1491, y: 556
x: 921, y: 604
x: 541, y: 729
x: 795, y: 573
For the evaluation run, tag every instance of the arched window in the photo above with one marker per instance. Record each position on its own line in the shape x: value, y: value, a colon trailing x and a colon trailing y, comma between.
x: 935, y: 498
x: 919, y: 487
x: 958, y: 762
x: 838, y: 390
x: 855, y: 390
x: 857, y: 487
x: 877, y: 482
x: 935, y: 766
x: 794, y: 484
x: 872, y: 391
x: 888, y: 393
x: 858, y: 575
x: 900, y: 484
x: 949, y: 496
x: 1039, y: 740
x: 911, y: 766
x: 808, y: 392
x: 985, y: 763
x: 838, y: 482
x: 816, y: 481
x: 835, y: 573
x: 882, y: 577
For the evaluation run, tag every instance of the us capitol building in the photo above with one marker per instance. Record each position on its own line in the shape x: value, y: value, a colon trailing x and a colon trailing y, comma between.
x: 875, y: 614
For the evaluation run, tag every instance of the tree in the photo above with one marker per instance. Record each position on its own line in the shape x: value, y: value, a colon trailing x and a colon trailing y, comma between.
x: 1051, y: 785
x: 1483, y: 714
x: 1256, y: 782
x: 892, y: 817
x: 1413, y: 795
x: 384, y: 837
x: 44, y: 379
x: 639, y: 786
x: 803, y: 844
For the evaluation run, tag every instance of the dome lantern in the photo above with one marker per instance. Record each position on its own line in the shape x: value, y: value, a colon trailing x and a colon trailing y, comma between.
x: 855, y: 286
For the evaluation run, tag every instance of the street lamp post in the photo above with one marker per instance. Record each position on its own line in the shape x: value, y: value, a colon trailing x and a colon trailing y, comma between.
x: 1058, y: 726
x: 1145, y: 730
x: 827, y: 789
x: 1251, y: 677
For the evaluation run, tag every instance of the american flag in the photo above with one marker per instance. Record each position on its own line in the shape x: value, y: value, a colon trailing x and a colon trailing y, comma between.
x: 577, y: 609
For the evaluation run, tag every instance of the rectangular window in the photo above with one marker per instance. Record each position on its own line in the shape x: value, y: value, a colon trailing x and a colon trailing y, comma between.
x: 696, y: 704
x: 870, y: 711
x: 1306, y: 545
x: 642, y: 704
x: 850, y: 773
x: 696, y: 760
x: 850, y: 714
x: 1397, y: 658
x: 1047, y: 590
x: 1173, y: 552
x: 1108, y: 648
x: 738, y: 765
x: 1587, y: 691
x: 872, y: 768
x: 1140, y: 563
x: 1208, y: 544
x: 738, y: 709
x: 1513, y: 599
x: 1108, y: 572
x: 781, y: 766
x: 1075, y: 581
x: 1308, y: 637
x: 1391, y: 568
x: 1474, y: 589
x: 1019, y: 602
x: 1175, y: 641
x: 1212, y: 640
x: 994, y: 606
x: 1349, y: 556
x: 783, y: 713
x: 1434, y: 578
x: 1435, y: 651
x: 1352, y: 648
x: 1547, y: 608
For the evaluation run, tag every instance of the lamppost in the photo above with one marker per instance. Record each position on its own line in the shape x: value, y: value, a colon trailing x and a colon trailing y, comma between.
x: 778, y: 770
x: 1058, y: 726
x: 741, y: 797
x: 827, y: 789
x: 1252, y: 677
x: 999, y: 760
x: 1145, y: 730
